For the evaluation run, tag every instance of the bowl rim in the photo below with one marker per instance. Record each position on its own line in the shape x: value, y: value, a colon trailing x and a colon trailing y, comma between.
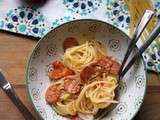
x: 72, y: 21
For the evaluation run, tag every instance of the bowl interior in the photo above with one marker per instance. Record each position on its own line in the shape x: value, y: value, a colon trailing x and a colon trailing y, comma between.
x: 132, y: 88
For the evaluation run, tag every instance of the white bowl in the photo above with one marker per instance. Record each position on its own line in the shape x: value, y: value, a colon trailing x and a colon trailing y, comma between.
x: 132, y: 89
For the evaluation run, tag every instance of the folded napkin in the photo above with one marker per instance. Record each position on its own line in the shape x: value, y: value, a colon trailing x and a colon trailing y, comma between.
x: 18, y: 17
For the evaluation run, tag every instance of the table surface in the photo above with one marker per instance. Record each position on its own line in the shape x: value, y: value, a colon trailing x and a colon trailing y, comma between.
x: 14, y: 52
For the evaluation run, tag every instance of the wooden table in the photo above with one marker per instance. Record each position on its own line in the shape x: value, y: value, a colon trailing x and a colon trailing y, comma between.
x: 14, y: 52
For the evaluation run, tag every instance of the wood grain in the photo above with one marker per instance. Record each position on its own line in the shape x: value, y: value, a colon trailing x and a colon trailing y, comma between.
x: 14, y: 52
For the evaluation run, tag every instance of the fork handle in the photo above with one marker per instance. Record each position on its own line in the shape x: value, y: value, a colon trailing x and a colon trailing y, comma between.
x: 152, y: 36
x: 15, y: 99
x: 139, y: 30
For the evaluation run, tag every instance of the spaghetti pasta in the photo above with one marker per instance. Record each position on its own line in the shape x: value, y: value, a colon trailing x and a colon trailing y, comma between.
x: 86, y: 97
x: 78, y: 57
x: 97, y: 95
x: 94, y: 96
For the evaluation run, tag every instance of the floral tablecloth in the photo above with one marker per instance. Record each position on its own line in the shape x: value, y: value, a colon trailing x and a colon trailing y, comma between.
x: 16, y: 16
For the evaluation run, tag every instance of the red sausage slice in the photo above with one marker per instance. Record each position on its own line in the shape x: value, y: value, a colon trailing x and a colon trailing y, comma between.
x: 115, y: 68
x: 87, y: 73
x: 70, y: 42
x: 104, y: 65
x: 52, y: 94
x: 72, y: 85
x: 58, y: 64
x: 59, y: 71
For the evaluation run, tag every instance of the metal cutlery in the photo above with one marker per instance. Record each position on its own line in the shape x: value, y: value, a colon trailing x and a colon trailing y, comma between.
x: 7, y: 88
x: 138, y: 31
x: 150, y: 39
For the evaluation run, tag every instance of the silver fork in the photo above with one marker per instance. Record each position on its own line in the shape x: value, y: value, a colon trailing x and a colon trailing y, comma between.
x: 7, y: 88
x: 137, y: 33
